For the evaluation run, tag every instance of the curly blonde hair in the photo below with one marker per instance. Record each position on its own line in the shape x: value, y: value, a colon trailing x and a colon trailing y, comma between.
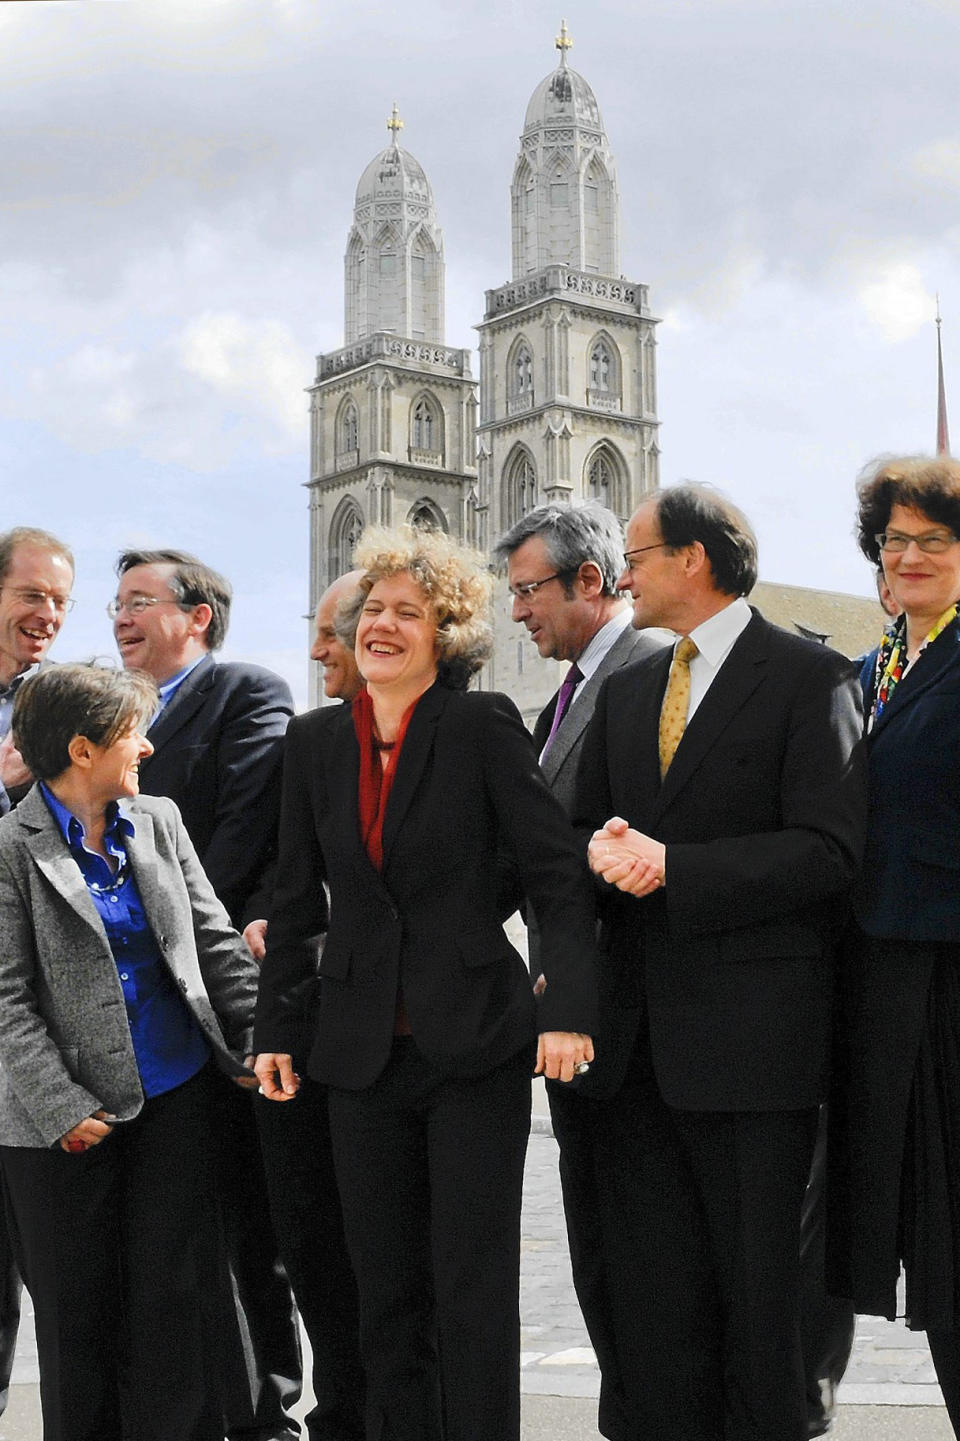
x: 454, y: 578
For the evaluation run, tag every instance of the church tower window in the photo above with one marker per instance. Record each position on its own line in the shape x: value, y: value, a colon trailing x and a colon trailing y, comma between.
x: 519, y: 491
x: 605, y: 480
x: 345, y: 533
x: 520, y: 377
x: 349, y: 428
x: 426, y: 428
x: 600, y: 365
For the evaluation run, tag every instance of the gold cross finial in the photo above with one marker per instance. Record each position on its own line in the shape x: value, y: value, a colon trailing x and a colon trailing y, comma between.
x: 395, y: 124
x: 563, y: 41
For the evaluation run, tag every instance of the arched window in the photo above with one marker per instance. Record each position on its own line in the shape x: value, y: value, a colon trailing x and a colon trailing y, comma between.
x: 426, y: 516
x: 603, y: 373
x: 601, y: 366
x: 345, y: 532
x: 348, y: 430
x: 605, y: 480
x: 426, y: 426
x: 523, y: 372
x: 519, y: 492
x: 520, y: 377
x: 423, y: 425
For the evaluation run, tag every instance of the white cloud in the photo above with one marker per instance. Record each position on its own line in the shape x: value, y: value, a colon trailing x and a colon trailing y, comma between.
x: 256, y: 362
x: 940, y: 161
x: 897, y: 301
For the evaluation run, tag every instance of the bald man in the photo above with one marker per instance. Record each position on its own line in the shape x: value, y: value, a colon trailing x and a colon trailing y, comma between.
x: 296, y: 1150
x: 341, y: 679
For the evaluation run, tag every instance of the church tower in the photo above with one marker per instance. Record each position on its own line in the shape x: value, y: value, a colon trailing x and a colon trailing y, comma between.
x: 568, y: 397
x: 392, y: 414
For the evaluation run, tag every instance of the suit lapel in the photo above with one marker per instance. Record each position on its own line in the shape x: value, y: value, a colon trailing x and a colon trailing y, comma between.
x: 580, y: 714
x: 52, y: 857
x: 634, y: 760
x: 734, y: 684
x: 190, y: 696
x: 929, y: 670
x: 142, y: 853
x: 417, y: 745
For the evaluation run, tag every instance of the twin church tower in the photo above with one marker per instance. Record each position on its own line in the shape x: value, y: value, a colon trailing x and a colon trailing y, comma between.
x: 567, y: 392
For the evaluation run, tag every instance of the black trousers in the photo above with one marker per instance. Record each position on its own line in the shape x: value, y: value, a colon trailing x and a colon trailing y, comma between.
x: 827, y: 1324
x: 430, y: 1171
x: 119, y: 1249
x: 697, y: 1218
x: 10, y: 1287
x: 259, y: 1341
x: 308, y: 1224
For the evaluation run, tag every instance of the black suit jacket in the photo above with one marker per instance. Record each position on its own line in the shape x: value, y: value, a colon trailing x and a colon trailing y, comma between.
x: 217, y: 754
x: 467, y: 788
x: 763, y: 815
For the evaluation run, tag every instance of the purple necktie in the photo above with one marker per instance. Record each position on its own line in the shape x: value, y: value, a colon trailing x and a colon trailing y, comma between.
x: 572, y: 679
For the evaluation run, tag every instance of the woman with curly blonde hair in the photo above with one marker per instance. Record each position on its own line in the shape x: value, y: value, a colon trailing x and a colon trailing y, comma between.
x: 421, y: 809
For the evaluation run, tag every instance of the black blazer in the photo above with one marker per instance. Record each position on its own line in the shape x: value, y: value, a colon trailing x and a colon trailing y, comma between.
x: 467, y: 791
x: 910, y: 886
x: 763, y: 813
x: 218, y: 748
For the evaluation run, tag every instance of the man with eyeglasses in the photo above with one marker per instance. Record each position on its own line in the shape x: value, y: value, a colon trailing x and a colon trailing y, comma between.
x: 562, y: 565
x: 218, y: 738
x: 724, y: 785
x: 36, y: 577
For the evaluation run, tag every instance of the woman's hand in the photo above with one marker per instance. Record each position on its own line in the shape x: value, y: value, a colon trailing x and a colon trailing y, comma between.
x: 562, y: 1054
x: 278, y: 1080
x: 86, y: 1133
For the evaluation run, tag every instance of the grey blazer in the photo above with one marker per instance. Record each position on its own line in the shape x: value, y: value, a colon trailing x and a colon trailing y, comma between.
x: 65, y: 1046
x: 560, y: 762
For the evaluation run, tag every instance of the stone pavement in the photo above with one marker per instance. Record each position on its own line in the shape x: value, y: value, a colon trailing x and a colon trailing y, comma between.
x: 890, y: 1392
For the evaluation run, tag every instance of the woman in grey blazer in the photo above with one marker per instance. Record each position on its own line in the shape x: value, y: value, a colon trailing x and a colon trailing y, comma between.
x: 121, y: 981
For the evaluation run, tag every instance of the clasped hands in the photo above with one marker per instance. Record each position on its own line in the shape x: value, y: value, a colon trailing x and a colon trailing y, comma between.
x: 626, y: 858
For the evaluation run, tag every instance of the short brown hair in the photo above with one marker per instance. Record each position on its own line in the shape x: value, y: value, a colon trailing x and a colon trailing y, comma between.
x: 926, y: 483
x: 63, y: 701
x: 193, y: 583
x: 29, y: 535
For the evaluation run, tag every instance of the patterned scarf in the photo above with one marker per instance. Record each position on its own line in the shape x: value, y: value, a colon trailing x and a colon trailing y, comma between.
x: 892, y: 659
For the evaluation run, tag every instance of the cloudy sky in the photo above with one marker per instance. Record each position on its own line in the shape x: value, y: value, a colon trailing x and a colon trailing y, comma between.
x: 177, y: 181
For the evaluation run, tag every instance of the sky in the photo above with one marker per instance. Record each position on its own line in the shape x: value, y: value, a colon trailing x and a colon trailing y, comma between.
x: 176, y: 187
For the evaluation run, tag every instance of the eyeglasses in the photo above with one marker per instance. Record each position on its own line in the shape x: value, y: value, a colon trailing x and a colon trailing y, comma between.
x: 524, y: 592
x: 37, y: 598
x: 628, y: 554
x: 894, y: 542
x: 137, y: 604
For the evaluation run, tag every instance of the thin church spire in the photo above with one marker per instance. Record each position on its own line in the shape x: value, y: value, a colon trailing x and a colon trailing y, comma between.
x: 943, y: 434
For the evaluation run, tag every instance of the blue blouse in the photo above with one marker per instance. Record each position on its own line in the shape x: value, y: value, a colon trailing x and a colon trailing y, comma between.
x: 167, y: 1042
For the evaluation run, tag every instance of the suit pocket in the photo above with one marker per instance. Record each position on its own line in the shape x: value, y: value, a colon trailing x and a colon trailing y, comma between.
x: 335, y: 960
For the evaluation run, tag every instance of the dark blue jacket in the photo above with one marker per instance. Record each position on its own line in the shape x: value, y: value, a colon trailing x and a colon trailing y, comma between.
x: 910, y: 885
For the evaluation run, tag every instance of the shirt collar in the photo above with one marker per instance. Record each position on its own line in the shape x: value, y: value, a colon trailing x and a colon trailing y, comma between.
x: 118, y: 829
x: 604, y: 640
x: 166, y: 690
x: 716, y: 637
x: 8, y: 691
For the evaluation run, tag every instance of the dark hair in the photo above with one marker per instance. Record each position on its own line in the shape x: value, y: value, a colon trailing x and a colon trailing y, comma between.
x: 29, y: 535
x: 928, y: 484
x: 572, y: 534
x: 689, y: 513
x: 63, y: 701
x: 193, y: 583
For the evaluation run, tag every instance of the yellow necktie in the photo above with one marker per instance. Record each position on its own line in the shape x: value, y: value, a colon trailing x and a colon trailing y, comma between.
x: 676, y: 699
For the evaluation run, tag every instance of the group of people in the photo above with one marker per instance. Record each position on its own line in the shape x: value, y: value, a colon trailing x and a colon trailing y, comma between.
x: 735, y: 853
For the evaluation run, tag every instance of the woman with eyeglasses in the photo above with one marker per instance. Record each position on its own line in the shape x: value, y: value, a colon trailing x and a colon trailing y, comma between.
x: 895, y: 1116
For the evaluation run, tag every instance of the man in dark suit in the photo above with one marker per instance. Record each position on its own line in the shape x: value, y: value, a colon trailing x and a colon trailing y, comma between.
x: 36, y: 578
x: 725, y: 782
x: 217, y: 742
x: 562, y: 566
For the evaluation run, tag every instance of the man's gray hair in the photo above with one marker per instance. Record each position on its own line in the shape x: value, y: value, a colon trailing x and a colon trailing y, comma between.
x: 572, y: 534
